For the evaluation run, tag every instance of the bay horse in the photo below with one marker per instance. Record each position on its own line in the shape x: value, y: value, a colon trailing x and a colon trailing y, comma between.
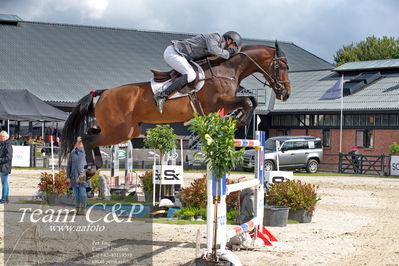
x: 120, y: 111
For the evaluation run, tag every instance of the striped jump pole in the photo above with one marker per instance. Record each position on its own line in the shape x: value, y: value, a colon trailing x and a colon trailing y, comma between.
x: 257, y: 183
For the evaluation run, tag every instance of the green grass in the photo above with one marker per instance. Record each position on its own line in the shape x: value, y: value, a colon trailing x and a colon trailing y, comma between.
x: 339, y: 174
x: 40, y: 202
x: 183, y: 222
x: 125, y: 200
x: 178, y: 222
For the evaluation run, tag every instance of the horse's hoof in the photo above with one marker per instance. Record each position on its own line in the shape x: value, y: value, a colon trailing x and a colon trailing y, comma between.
x: 90, y: 172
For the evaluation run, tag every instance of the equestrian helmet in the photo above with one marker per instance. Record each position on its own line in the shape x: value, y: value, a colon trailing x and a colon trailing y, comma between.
x: 234, y: 36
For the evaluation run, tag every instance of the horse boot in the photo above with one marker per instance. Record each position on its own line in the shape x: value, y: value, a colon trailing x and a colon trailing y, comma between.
x: 90, y: 170
x: 177, y: 84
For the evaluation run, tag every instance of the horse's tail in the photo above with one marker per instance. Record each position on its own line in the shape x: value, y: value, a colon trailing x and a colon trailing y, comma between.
x: 78, y: 122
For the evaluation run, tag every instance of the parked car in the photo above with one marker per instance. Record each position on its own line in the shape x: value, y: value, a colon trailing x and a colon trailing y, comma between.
x: 295, y: 152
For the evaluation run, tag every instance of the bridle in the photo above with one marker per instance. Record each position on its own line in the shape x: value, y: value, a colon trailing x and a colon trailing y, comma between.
x: 276, y: 84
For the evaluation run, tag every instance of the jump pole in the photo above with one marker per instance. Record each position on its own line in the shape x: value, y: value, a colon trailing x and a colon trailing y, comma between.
x: 257, y: 222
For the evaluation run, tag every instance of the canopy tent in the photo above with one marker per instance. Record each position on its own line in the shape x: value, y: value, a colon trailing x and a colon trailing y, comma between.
x: 21, y: 105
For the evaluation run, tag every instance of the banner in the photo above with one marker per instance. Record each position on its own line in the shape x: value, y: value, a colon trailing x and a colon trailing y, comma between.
x: 21, y: 156
x: 172, y: 174
x: 394, y: 165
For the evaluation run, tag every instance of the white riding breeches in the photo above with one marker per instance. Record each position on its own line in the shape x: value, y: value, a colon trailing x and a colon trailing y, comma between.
x: 179, y: 63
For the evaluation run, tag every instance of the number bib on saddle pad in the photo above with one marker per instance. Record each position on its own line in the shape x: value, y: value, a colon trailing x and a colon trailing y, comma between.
x: 160, y: 86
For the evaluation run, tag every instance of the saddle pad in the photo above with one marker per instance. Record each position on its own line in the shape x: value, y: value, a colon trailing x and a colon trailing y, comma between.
x: 160, y: 86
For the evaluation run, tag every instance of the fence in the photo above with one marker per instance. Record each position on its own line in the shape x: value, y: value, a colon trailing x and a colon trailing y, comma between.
x: 355, y: 164
x: 40, y: 157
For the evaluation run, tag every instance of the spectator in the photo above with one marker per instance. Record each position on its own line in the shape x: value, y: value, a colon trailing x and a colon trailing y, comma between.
x: 355, y: 153
x: 57, y: 142
x: 5, y: 164
x: 75, y: 168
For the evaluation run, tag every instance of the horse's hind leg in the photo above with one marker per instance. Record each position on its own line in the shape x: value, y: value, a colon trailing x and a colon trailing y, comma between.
x: 110, y: 136
x: 91, y: 168
x: 96, y: 149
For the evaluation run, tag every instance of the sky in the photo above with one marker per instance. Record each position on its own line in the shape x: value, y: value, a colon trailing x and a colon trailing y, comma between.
x: 321, y: 27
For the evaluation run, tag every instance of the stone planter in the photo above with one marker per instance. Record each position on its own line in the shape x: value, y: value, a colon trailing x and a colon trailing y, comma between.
x: 275, y: 216
x: 148, y: 196
x: 300, y: 215
x: 52, y: 198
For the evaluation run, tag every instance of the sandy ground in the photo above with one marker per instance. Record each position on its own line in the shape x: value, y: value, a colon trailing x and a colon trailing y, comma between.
x: 355, y: 223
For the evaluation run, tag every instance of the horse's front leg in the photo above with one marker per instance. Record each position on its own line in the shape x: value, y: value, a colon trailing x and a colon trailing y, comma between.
x: 245, y: 105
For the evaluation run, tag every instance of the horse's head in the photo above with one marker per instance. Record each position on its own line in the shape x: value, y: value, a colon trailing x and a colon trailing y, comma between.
x: 272, y: 63
x: 278, y: 79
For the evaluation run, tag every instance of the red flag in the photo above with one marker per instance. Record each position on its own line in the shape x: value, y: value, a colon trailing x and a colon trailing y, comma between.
x: 221, y: 112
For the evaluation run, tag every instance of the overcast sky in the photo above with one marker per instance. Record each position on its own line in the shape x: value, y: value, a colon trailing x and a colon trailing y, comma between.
x: 319, y: 26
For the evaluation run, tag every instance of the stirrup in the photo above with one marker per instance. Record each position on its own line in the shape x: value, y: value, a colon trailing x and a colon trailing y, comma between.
x: 159, y: 100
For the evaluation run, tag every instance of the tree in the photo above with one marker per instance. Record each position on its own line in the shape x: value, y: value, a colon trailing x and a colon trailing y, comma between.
x: 162, y: 138
x: 218, y: 144
x: 372, y: 48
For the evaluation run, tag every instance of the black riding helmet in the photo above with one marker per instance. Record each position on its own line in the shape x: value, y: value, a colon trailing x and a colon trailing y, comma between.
x: 234, y: 36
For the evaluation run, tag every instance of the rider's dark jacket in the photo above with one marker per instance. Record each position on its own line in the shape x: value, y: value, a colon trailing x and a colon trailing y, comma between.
x: 201, y: 46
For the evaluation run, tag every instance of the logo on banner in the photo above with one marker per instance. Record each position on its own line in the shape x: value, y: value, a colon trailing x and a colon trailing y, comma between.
x: 172, y: 174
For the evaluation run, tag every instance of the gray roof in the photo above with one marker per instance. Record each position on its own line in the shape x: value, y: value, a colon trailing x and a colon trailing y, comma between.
x: 367, y: 65
x: 61, y: 63
x: 308, y: 87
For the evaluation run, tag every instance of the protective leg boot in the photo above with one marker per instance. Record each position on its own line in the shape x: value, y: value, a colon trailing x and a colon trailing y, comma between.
x: 160, y: 97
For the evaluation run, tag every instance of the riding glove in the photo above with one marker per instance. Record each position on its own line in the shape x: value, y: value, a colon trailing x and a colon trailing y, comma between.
x: 233, y: 50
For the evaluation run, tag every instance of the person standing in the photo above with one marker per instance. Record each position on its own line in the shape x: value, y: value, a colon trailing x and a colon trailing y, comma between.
x: 355, y: 153
x: 5, y: 164
x: 75, y: 168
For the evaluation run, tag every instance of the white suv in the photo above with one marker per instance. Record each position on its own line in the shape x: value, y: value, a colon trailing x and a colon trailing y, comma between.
x: 295, y: 152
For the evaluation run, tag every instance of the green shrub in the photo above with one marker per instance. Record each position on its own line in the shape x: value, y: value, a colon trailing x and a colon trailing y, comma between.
x: 232, y: 215
x: 146, y: 180
x: 94, y: 180
x: 293, y: 194
x: 394, y: 148
x: 195, y: 195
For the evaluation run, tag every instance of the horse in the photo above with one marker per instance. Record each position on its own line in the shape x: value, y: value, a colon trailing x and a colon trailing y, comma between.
x: 120, y: 111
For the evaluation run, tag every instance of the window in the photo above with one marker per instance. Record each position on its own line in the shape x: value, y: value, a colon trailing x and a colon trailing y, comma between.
x: 348, y: 120
x: 289, y: 145
x: 283, y: 132
x: 326, y: 138
x: 364, y: 138
x: 300, y: 145
x: 317, y: 144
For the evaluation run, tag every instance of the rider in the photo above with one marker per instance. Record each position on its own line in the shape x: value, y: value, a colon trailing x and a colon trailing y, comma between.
x: 180, y: 51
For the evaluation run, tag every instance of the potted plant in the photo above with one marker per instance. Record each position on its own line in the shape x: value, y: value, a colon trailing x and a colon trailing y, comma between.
x: 300, y: 197
x: 163, y: 139
x: 394, y: 148
x: 146, y: 180
x: 216, y: 136
x: 53, y: 186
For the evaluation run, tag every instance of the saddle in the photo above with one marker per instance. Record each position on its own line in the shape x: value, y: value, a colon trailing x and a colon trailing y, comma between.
x: 160, y: 76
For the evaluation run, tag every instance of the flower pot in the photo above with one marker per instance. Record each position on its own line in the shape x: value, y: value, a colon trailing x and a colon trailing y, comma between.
x: 203, y: 262
x: 300, y: 215
x: 148, y: 196
x: 52, y: 198
x: 275, y: 216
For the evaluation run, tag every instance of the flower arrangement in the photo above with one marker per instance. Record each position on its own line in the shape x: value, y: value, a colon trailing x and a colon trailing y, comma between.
x: 58, y: 185
x: 195, y: 195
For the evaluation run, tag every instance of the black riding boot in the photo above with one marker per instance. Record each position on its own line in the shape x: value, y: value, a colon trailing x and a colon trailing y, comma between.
x: 160, y: 97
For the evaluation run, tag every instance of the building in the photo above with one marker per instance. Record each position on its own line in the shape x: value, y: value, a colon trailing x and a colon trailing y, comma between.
x: 370, y: 108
